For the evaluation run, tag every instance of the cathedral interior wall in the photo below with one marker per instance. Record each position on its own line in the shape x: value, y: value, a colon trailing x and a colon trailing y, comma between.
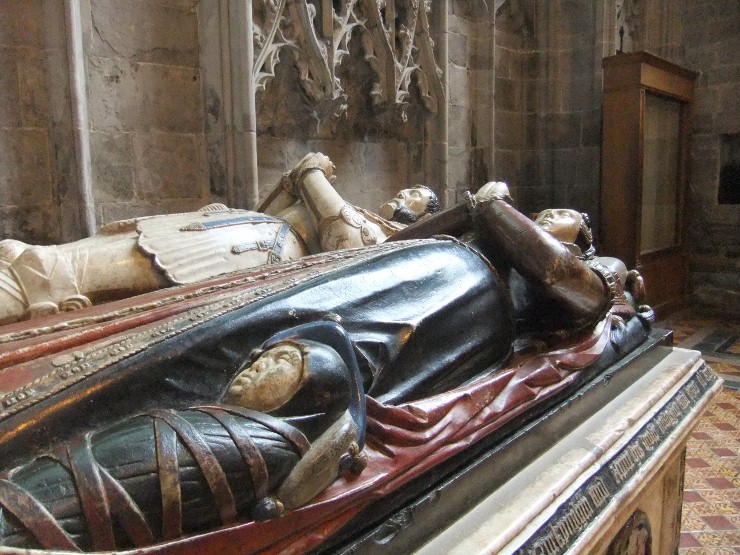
x: 111, y: 110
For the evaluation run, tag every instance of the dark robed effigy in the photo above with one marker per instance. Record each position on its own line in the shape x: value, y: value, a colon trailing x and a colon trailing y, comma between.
x: 115, y: 430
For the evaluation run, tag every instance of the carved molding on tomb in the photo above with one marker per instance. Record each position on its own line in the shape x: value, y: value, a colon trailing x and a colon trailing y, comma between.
x: 396, y: 40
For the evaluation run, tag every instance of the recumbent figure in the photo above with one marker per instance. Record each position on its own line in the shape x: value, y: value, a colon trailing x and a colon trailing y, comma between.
x: 415, y: 320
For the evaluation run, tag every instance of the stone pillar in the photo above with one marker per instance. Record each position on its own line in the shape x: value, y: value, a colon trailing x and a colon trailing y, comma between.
x: 470, y: 97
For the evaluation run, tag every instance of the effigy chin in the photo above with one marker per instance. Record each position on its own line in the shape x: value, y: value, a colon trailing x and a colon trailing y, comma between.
x: 420, y: 414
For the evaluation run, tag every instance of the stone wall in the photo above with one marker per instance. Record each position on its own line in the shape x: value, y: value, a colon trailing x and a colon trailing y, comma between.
x: 141, y: 104
x: 378, y: 145
x: 548, y: 102
x: 471, y: 95
x: 28, y: 188
x: 375, y: 151
x: 710, y: 45
x: 145, y: 108
x: 165, y: 132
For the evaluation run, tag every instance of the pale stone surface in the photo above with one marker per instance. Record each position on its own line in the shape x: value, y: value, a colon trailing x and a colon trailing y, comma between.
x: 481, y: 127
x: 114, y: 211
x: 36, y: 224
x: 70, y: 210
x: 168, y: 165
x: 27, y: 180
x: 458, y: 49
x: 112, y: 166
x: 162, y: 33
x: 130, y: 96
x: 459, y: 86
x: 10, y: 113
x: 710, y: 41
x: 32, y: 88
x: 21, y: 23
x: 460, y: 122
x: 216, y: 167
x: 24, y: 173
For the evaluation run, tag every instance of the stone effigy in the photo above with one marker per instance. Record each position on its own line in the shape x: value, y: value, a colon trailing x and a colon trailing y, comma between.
x: 135, y: 256
x: 232, y: 403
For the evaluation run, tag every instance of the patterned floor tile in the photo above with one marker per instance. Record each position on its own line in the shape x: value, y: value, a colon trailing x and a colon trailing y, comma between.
x: 692, y: 497
x: 720, y: 483
x: 718, y: 522
x: 718, y: 539
x: 710, y: 519
x: 688, y: 540
x: 715, y: 508
x: 717, y: 496
x: 695, y: 462
x: 695, y: 482
x: 693, y: 523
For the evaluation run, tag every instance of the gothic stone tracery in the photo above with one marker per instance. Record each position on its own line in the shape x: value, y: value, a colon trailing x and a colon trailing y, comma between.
x: 395, y: 36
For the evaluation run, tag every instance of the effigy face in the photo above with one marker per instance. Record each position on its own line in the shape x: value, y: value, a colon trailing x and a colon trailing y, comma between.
x: 409, y: 205
x: 563, y: 224
x: 269, y: 382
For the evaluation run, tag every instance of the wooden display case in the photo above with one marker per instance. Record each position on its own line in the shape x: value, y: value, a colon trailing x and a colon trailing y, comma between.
x: 644, y: 154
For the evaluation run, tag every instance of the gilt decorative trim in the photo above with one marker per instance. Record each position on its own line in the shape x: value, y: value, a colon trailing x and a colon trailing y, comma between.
x: 592, y: 498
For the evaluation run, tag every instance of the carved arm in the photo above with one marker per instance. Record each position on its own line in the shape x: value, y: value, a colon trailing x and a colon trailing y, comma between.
x: 339, y: 224
x: 583, y: 290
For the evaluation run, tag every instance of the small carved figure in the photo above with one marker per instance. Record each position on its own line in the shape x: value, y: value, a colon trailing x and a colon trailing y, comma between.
x: 166, y: 473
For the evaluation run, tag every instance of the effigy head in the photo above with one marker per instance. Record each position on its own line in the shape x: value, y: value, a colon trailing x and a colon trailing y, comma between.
x: 410, y: 204
x: 270, y: 381
x: 566, y: 225
x: 292, y: 378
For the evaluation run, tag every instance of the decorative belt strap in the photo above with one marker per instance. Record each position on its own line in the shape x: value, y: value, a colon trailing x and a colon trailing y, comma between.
x: 611, y: 280
x: 169, y: 480
x: 279, y: 244
x: 242, y: 220
x: 118, y: 503
x: 209, y: 466
x: 247, y: 448
x: 34, y: 517
x: 107, y: 505
x: 274, y: 251
x: 291, y: 434
x: 92, y: 495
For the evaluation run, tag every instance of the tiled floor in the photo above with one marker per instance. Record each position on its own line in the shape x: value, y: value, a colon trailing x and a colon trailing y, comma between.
x: 711, y: 511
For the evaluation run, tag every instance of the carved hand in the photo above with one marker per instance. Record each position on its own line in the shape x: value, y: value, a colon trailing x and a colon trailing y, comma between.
x: 314, y: 161
x: 494, y: 190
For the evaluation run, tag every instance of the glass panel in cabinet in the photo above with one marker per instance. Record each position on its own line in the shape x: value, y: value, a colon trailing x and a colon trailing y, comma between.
x: 662, y: 143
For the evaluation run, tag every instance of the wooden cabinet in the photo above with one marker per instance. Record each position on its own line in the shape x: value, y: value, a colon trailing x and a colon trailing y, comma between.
x: 644, y: 156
